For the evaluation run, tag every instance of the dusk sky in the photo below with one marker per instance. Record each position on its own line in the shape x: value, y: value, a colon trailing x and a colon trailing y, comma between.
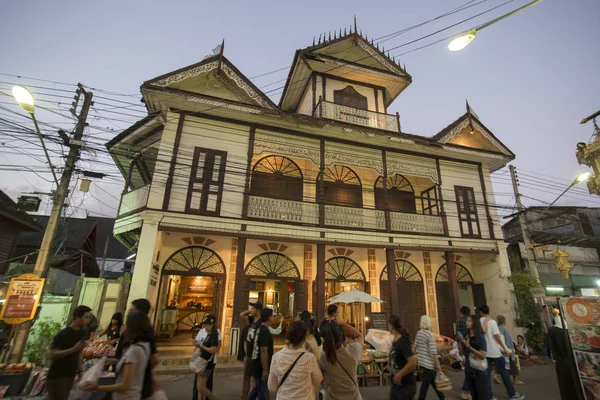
x: 530, y: 78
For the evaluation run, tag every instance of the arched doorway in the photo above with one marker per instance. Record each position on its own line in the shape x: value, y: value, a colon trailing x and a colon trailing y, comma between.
x: 193, y: 281
x: 446, y: 311
x: 343, y: 274
x: 277, y: 177
x: 274, y: 281
x: 410, y: 294
x: 400, y: 194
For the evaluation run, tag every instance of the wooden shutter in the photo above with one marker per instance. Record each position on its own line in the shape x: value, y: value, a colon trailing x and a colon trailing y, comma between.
x: 300, y: 297
x: 478, y: 294
x: 467, y: 212
x: 207, y: 178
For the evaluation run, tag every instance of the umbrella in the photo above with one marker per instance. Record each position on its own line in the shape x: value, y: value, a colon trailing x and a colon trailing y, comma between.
x: 354, y: 296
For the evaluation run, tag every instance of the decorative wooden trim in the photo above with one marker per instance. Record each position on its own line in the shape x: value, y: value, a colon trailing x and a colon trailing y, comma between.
x: 386, y: 209
x: 323, y: 84
x: 485, y: 203
x: 352, y: 82
x: 441, y: 197
x: 176, y: 142
x: 248, y: 169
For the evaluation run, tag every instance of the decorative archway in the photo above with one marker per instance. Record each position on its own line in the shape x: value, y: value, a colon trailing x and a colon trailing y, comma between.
x: 342, y: 187
x: 277, y: 177
x: 195, y: 261
x: 400, y: 194
x: 272, y: 265
x: 350, y: 97
x: 343, y: 269
x: 410, y: 293
x: 446, y: 310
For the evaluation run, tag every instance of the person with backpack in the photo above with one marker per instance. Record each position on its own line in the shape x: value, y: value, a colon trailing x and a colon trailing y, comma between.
x: 207, y: 341
x: 339, y: 361
x: 131, y: 368
x: 295, y: 372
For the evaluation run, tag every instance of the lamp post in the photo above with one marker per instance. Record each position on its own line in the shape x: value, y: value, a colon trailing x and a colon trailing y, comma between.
x: 25, y: 99
x: 461, y: 40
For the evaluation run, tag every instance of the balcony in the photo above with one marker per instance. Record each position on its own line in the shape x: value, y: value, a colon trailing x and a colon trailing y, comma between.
x: 283, y: 211
x: 356, y: 116
x: 134, y: 200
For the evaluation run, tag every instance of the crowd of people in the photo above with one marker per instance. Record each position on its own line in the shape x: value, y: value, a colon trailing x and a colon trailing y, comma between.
x: 316, y: 362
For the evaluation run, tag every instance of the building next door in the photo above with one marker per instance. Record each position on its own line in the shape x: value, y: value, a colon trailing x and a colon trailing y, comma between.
x: 446, y: 312
x: 411, y: 294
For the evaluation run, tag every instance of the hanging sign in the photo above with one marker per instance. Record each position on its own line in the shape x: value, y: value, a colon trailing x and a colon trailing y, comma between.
x: 380, y: 321
x: 22, y: 299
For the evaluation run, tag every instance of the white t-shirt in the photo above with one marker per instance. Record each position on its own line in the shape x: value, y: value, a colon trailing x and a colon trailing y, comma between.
x: 203, y: 334
x: 493, y: 348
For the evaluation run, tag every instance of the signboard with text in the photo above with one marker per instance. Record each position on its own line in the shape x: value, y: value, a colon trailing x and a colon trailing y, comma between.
x: 380, y: 321
x: 22, y: 299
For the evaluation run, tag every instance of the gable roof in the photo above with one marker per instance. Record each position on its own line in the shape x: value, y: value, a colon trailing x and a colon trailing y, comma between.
x: 215, y: 77
x: 455, y: 135
x: 8, y: 209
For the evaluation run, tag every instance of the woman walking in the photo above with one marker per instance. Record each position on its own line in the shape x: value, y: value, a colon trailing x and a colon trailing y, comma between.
x: 474, y: 349
x: 295, y: 372
x: 402, y: 361
x: 115, y: 329
x: 427, y: 357
x: 208, y: 348
x: 339, y: 361
x: 131, y: 368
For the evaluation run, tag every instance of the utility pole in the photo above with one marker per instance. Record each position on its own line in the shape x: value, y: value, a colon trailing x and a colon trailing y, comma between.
x: 529, y: 255
x: 45, y: 252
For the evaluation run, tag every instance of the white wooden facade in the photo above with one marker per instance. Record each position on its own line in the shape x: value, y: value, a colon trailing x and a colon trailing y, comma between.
x: 329, y: 145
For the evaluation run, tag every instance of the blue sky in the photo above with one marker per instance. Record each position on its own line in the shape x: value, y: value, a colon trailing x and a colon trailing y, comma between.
x: 530, y: 78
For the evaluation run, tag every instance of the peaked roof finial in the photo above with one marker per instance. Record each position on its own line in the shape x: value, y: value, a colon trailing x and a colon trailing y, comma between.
x: 221, y: 50
x: 340, y: 32
x: 469, y: 116
x: 344, y: 31
x: 366, y: 37
x: 329, y: 35
x: 313, y: 41
x: 355, y: 28
x: 335, y: 34
x: 319, y: 38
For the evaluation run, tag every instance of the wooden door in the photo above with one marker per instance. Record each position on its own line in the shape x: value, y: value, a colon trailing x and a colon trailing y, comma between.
x: 478, y: 295
x: 300, y: 297
x: 446, y: 311
x: 412, y: 307
x: 384, y: 291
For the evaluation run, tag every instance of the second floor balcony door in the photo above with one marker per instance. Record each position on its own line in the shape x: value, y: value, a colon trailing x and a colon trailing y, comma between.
x: 277, y: 177
x: 342, y: 187
x: 400, y: 194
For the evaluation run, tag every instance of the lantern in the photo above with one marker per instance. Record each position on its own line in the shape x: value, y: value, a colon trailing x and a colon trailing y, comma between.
x: 562, y: 263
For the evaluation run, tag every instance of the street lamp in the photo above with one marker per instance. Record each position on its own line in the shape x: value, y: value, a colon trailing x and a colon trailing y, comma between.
x: 461, y: 40
x: 25, y: 99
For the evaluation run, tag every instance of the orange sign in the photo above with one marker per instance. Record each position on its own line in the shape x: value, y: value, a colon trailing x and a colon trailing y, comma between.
x: 22, y: 299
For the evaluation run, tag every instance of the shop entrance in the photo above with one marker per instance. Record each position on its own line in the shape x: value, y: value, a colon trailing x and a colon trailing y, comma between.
x: 343, y: 274
x: 410, y: 294
x: 192, y: 285
x: 468, y: 291
x: 273, y: 279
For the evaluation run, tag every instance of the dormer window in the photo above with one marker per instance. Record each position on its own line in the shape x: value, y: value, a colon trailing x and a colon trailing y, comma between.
x: 350, y: 97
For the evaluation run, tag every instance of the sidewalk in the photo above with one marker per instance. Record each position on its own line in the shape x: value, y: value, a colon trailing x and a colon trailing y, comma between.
x: 540, y: 383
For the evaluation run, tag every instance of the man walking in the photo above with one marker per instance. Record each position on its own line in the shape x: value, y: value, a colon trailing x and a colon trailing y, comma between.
x: 495, y: 344
x: 461, y: 330
x: 65, y: 353
x: 546, y: 323
x: 262, y: 353
x: 252, y: 315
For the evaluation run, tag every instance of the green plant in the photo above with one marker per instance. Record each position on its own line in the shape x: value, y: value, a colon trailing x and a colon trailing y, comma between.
x: 527, y: 310
x: 38, y: 345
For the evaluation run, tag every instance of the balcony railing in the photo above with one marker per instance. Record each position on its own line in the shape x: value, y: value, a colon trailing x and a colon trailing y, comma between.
x: 134, y: 200
x: 404, y: 222
x: 356, y: 116
x: 283, y: 211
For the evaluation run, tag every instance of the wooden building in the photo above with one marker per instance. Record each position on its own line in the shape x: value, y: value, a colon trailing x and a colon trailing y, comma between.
x: 230, y: 197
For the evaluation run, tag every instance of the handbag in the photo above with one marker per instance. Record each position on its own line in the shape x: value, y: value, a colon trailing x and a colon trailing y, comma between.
x: 198, y: 364
x: 287, y: 373
x: 478, y: 364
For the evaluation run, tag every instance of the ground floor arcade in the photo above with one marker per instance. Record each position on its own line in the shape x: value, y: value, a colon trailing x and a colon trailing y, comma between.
x: 190, y: 275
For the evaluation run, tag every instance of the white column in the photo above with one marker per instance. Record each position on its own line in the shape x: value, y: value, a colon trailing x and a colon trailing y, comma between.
x: 144, y: 282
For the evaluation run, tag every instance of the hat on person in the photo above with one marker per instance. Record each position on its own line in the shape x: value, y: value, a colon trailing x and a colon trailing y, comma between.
x: 209, y: 319
x: 256, y: 305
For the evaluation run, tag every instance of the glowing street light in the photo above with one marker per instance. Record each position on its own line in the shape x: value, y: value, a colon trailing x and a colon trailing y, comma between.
x: 583, y: 177
x: 25, y: 98
x: 461, y: 41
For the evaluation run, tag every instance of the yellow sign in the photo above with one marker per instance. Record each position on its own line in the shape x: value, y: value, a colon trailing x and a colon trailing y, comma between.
x: 22, y: 299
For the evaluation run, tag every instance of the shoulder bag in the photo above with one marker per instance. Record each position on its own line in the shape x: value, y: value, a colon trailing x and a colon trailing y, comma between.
x: 478, y: 364
x: 287, y: 373
x: 198, y: 364
x: 347, y: 373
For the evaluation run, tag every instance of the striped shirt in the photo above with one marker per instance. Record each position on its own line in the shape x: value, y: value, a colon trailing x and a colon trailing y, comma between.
x: 426, y: 349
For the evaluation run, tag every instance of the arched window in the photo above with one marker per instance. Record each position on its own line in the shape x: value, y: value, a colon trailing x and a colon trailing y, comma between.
x: 350, y: 97
x: 404, y: 270
x: 277, y: 177
x: 342, y: 187
x: 343, y: 269
x: 272, y: 265
x: 462, y: 274
x: 194, y: 261
x: 400, y: 194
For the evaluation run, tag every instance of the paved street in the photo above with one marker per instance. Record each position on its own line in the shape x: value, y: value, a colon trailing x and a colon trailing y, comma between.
x: 540, y: 383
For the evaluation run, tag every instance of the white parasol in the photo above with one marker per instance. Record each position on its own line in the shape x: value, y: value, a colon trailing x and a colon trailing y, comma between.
x: 354, y: 296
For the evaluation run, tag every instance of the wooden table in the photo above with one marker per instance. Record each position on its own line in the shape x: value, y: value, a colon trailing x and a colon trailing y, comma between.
x: 370, y: 367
